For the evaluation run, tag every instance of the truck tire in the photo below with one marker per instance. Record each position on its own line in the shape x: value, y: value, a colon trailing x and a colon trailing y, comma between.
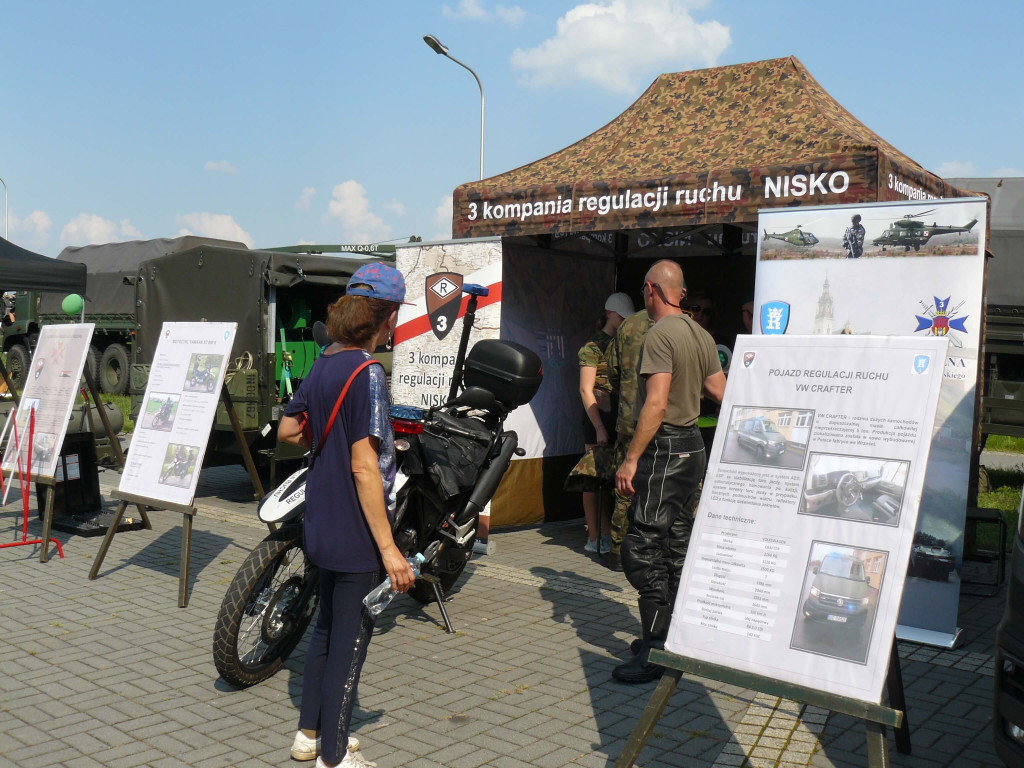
x: 114, y: 370
x: 92, y: 363
x: 18, y: 362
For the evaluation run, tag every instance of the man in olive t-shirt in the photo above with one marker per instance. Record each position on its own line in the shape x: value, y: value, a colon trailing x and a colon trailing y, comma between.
x: 665, y: 459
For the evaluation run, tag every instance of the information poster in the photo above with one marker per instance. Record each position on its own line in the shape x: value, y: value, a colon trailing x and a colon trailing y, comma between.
x: 901, y: 269
x: 177, y: 413
x: 799, y: 551
x: 54, y: 378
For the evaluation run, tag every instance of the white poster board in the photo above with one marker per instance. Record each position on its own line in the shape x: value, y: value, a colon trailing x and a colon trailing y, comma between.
x: 799, y: 551
x: 920, y: 273
x: 177, y: 413
x: 53, y: 381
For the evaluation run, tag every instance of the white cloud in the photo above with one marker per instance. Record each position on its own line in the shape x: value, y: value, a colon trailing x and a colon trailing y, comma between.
x: 35, y: 228
x: 91, y: 229
x: 513, y: 16
x: 952, y: 169
x: 467, y: 9
x: 617, y: 44
x: 305, y: 199
x: 219, y: 225
x: 475, y: 11
x: 222, y: 166
x: 395, y: 207
x: 443, y: 219
x: 350, y: 206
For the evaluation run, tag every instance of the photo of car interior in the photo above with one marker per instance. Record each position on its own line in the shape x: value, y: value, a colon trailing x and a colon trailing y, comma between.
x: 854, y: 488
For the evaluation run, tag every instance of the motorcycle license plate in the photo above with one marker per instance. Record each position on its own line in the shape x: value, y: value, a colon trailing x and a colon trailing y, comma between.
x: 839, y: 619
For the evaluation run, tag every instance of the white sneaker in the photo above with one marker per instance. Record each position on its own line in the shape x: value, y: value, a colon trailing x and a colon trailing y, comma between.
x: 304, y: 748
x: 591, y: 546
x: 352, y: 760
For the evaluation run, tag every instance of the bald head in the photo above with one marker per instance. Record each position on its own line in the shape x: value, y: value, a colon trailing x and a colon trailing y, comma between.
x: 669, y: 276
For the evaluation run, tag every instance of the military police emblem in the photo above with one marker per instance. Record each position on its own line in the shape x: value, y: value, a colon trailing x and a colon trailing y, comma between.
x: 444, y: 295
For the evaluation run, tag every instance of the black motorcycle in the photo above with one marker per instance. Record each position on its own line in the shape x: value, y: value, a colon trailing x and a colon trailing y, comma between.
x: 450, y: 461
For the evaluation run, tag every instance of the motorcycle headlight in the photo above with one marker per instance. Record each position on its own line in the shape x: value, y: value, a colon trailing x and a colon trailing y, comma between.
x: 865, y: 600
x: 815, y: 592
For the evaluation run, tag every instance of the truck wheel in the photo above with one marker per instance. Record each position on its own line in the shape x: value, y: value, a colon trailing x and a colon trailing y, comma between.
x: 17, y: 365
x: 114, y: 370
x: 92, y: 363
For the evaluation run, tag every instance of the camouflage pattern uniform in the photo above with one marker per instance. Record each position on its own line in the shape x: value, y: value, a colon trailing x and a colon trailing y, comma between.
x: 622, y: 378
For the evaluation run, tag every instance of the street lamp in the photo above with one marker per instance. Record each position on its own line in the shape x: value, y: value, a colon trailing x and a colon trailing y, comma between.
x: 438, y: 47
x: 5, y: 208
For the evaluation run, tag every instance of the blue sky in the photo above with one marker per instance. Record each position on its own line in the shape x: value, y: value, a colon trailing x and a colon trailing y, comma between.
x: 332, y: 122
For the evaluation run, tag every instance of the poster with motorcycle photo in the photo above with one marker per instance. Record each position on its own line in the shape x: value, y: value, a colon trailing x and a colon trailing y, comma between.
x: 53, y: 381
x: 806, y: 521
x: 910, y: 269
x: 177, y: 413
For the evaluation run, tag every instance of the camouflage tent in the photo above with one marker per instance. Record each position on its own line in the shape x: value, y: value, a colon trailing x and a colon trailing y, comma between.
x: 701, y: 147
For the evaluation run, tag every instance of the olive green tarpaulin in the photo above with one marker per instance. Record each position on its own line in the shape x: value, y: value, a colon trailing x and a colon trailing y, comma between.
x: 707, y: 146
x: 23, y: 270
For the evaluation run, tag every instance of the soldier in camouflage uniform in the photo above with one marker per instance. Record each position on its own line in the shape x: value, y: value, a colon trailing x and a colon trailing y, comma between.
x: 622, y: 379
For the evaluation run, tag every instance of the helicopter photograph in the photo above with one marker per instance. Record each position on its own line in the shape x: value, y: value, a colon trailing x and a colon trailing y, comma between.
x: 911, y: 231
x: 795, y: 237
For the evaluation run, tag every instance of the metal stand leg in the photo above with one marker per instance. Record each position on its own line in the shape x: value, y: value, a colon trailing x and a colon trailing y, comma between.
x: 440, y: 604
x: 44, y: 552
x: 649, y: 718
x: 185, y: 566
x: 107, y: 539
x: 878, y: 749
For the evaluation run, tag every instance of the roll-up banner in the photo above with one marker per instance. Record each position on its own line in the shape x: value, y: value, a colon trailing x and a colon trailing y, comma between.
x: 896, y: 269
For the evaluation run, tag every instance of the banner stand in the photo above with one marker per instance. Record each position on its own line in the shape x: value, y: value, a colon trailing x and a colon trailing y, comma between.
x: 44, y: 542
x: 187, y: 513
x: 876, y: 716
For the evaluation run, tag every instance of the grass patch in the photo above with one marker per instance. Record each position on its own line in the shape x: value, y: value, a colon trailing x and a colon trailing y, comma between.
x: 1004, y: 443
x: 124, y: 403
x: 1004, y: 495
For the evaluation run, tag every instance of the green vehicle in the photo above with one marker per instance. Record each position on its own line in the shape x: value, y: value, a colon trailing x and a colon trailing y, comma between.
x: 275, y: 297
x: 109, y: 304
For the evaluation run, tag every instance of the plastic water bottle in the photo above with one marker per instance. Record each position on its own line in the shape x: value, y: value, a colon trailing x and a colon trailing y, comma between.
x: 383, y: 594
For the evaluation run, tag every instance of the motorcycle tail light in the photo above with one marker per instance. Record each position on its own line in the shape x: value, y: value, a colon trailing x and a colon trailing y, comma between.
x: 407, y: 427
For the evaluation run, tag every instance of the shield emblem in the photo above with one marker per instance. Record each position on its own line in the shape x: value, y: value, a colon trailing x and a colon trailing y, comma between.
x: 748, y: 359
x: 921, y: 363
x: 444, y: 295
x: 774, y: 317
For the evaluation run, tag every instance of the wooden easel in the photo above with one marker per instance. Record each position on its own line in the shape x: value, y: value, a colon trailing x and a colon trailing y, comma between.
x: 188, y: 511
x: 875, y: 716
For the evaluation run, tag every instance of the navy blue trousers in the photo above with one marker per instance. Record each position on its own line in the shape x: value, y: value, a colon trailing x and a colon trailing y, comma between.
x: 334, y: 661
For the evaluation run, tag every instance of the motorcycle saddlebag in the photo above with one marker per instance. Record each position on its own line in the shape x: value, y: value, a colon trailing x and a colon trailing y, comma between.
x: 509, y: 371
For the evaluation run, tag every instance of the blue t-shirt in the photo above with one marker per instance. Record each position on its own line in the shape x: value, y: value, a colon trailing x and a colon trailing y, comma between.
x: 336, y: 535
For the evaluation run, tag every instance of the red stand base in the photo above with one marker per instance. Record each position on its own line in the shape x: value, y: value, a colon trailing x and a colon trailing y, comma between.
x: 60, y: 549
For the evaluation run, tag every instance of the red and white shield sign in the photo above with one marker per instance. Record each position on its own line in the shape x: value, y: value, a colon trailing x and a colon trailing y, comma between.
x: 748, y: 359
x: 444, y: 295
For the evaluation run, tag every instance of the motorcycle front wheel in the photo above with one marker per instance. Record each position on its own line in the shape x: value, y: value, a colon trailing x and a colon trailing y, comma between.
x: 266, y: 609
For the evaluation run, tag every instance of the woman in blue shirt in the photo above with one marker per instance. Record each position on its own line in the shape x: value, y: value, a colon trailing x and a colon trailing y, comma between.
x: 349, y: 501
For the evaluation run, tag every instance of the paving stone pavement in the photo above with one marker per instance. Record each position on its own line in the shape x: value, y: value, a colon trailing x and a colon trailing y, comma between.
x: 112, y: 673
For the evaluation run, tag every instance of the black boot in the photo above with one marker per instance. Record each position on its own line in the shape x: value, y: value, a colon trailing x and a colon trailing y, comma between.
x: 654, y: 622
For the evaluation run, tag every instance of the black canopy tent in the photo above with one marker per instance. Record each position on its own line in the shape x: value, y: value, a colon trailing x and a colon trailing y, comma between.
x: 23, y: 270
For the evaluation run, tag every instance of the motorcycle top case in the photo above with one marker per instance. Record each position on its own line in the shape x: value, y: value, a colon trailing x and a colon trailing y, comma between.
x: 509, y: 371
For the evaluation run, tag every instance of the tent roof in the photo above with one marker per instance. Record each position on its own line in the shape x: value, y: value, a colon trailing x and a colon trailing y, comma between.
x: 23, y: 270
x: 734, y: 124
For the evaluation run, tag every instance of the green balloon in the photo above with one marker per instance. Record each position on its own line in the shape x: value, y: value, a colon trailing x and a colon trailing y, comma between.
x: 72, y: 304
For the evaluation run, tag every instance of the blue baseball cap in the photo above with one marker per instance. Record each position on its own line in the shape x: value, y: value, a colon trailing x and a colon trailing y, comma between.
x: 378, y: 281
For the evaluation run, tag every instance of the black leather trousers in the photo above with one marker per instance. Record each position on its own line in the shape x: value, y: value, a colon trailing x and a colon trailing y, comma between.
x: 661, y: 515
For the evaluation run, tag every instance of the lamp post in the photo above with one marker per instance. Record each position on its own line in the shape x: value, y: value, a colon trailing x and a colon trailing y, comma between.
x: 438, y: 47
x: 5, y: 208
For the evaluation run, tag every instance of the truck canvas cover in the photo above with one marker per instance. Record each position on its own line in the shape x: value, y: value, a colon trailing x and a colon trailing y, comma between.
x: 112, y: 269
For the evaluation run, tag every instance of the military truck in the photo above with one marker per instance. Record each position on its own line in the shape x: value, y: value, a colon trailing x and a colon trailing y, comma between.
x: 109, y: 304
x: 275, y: 297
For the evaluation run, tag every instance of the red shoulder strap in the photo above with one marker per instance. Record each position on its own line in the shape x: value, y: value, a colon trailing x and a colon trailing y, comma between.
x: 337, y: 405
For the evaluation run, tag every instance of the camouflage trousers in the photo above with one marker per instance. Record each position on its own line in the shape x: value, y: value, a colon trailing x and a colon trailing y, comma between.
x: 619, y: 521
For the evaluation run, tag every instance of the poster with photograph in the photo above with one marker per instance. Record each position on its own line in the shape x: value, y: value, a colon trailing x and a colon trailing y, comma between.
x: 799, y: 550
x: 53, y: 381
x: 177, y: 413
x: 913, y: 269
